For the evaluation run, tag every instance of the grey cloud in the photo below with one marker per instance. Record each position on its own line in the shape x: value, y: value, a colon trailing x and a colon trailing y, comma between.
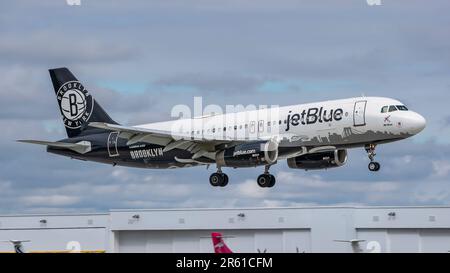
x: 61, y: 48
x: 447, y: 121
x: 88, y: 186
x: 223, y: 82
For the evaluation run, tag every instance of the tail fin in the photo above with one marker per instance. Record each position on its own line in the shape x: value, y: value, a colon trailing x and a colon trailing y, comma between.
x: 219, y: 244
x: 76, y: 104
x: 18, y: 245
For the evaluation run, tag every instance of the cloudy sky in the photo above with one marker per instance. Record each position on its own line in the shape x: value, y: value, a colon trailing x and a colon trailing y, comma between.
x: 140, y: 58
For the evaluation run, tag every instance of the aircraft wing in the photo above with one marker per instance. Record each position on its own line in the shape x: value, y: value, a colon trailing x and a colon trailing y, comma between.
x: 162, y: 137
x: 132, y: 130
x: 81, y: 147
x: 201, y: 147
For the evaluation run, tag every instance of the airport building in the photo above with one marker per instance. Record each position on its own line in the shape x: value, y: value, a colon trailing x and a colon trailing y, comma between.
x: 296, y: 229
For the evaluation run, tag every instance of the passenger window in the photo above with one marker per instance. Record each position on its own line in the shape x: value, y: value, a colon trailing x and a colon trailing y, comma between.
x: 392, y: 108
x: 384, y: 109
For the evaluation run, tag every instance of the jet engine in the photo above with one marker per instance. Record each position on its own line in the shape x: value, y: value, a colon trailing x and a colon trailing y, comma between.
x: 319, y: 160
x: 249, y: 154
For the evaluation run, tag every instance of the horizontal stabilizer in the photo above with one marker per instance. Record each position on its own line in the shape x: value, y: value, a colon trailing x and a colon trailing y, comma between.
x: 81, y: 147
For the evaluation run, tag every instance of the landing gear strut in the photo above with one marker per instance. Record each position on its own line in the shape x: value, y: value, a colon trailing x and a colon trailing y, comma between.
x: 373, y: 166
x: 266, y: 180
x: 218, y: 179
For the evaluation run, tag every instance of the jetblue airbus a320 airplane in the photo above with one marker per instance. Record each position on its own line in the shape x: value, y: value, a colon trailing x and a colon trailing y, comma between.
x: 309, y: 136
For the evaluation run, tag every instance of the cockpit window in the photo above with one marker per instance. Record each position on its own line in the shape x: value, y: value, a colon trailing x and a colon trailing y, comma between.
x: 402, y: 108
x: 392, y: 108
x: 384, y: 109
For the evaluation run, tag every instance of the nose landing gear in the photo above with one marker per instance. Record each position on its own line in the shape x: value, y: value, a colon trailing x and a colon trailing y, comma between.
x: 373, y: 166
x: 266, y: 180
x: 218, y: 179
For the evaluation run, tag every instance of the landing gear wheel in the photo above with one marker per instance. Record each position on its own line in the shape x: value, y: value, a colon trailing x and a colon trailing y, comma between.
x: 218, y: 180
x: 374, y: 166
x: 272, y: 181
x: 266, y: 180
x: 263, y: 180
x: 225, y: 180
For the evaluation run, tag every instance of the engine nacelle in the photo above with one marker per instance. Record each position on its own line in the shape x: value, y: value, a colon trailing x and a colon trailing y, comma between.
x: 249, y: 154
x: 320, y: 160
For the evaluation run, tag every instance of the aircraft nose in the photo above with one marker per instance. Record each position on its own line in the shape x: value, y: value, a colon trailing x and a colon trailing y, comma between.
x: 416, y: 123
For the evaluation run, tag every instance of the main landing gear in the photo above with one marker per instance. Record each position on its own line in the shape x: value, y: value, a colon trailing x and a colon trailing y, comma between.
x: 373, y: 166
x: 266, y: 180
x: 218, y: 179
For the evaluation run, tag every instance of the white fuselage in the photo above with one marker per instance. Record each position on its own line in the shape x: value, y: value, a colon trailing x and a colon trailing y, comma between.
x: 349, y: 122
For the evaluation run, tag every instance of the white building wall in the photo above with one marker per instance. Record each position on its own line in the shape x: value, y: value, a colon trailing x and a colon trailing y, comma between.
x: 85, y: 232
x: 307, y: 229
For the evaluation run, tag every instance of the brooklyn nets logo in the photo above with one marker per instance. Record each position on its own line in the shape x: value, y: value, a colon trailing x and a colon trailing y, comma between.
x: 75, y: 103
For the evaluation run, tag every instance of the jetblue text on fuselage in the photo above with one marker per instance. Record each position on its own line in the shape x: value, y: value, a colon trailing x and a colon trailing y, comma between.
x: 313, y: 115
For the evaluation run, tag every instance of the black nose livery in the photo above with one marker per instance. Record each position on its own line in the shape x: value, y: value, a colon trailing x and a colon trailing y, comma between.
x: 77, y: 106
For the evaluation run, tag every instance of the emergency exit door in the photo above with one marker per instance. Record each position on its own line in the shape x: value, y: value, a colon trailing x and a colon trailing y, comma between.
x: 359, y: 113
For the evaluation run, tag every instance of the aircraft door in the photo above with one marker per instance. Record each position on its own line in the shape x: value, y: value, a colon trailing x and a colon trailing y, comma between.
x: 359, y: 113
x: 112, y: 144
